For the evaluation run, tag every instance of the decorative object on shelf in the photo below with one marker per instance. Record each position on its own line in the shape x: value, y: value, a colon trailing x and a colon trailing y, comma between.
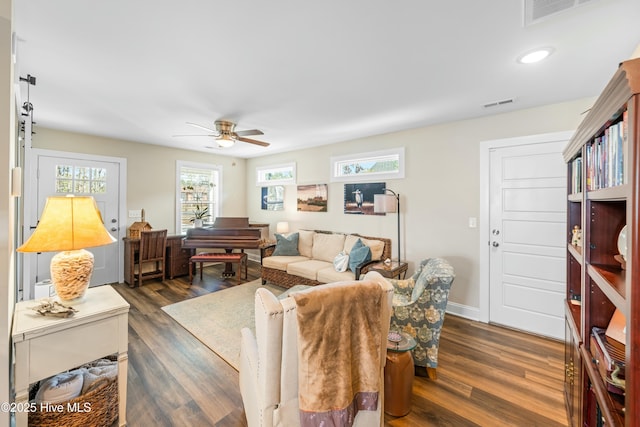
x: 622, y: 248
x: 69, y: 224
x: 54, y: 309
x: 138, y: 226
x: 576, y: 237
x: 388, y: 203
x: 387, y: 262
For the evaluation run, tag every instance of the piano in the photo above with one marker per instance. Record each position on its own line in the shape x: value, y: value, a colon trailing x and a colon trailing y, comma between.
x: 226, y: 233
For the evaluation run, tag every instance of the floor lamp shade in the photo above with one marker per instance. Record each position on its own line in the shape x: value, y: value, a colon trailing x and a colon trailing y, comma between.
x: 388, y: 203
x: 384, y: 203
x: 68, y: 225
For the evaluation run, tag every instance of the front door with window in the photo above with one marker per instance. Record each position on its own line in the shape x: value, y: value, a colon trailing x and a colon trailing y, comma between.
x: 60, y: 175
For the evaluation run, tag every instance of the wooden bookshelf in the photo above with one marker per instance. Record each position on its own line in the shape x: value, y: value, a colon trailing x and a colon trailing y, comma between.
x: 603, y: 186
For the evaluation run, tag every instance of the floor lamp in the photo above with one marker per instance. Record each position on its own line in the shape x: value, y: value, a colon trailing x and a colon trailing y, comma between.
x: 388, y: 203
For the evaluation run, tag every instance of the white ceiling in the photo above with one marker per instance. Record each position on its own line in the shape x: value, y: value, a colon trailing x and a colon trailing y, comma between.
x: 305, y: 73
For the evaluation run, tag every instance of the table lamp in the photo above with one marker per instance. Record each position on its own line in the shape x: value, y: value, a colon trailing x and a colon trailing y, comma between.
x: 69, y: 224
x: 388, y: 203
x: 282, y: 227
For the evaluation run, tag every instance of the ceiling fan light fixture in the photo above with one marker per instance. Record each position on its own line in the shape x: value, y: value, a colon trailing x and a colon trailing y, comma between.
x: 225, y: 141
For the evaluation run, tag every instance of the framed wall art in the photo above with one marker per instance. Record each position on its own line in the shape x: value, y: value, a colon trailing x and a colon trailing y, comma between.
x: 312, y: 198
x: 272, y: 198
x: 358, y: 198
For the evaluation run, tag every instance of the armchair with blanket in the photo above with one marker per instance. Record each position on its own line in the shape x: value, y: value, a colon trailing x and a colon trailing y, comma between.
x: 318, y: 355
x: 419, y: 305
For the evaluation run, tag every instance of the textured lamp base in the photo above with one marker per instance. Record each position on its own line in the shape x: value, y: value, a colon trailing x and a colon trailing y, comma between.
x: 70, y: 273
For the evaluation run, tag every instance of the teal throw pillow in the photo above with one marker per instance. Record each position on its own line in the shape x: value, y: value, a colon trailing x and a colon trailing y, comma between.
x: 360, y: 253
x: 286, y: 245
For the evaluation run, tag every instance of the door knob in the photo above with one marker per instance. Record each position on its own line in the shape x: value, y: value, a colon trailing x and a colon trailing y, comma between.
x: 114, y: 229
x: 495, y: 244
x: 495, y: 231
x: 113, y: 220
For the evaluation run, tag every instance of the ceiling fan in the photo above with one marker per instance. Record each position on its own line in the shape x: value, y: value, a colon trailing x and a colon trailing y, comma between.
x: 226, y: 136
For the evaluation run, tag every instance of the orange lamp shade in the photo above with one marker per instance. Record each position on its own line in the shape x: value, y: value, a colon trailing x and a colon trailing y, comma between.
x: 68, y: 223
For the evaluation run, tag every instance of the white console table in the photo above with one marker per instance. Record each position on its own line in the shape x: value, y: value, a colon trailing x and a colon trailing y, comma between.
x: 45, y: 346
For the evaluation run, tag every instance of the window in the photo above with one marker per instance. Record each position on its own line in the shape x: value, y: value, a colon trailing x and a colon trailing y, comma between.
x: 197, y: 194
x: 276, y: 175
x: 387, y: 164
x: 80, y: 180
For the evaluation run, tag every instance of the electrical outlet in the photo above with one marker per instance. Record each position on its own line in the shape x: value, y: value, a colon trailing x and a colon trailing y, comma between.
x: 473, y: 222
x: 135, y: 213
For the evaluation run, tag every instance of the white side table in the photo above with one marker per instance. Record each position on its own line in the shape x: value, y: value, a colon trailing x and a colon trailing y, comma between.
x: 45, y: 346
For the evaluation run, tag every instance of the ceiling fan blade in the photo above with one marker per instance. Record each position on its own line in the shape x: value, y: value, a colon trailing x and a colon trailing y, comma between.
x: 253, y: 141
x: 203, y: 127
x: 249, y: 132
x: 210, y: 136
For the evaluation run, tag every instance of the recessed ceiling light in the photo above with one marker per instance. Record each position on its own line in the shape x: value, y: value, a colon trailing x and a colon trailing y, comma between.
x: 535, y: 55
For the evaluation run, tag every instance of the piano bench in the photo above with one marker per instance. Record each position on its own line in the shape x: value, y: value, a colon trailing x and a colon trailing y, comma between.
x: 235, y: 258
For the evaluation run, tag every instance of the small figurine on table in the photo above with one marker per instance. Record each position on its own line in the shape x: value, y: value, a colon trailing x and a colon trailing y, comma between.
x: 576, y: 239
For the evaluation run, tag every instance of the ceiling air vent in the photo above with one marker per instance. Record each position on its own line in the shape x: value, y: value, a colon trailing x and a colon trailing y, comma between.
x: 496, y: 103
x: 537, y: 10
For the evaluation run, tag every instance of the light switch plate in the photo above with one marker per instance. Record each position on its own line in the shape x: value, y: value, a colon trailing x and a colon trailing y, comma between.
x: 473, y: 222
x: 135, y: 213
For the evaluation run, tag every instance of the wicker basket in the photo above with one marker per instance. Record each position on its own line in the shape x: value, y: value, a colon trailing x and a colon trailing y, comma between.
x: 96, y: 408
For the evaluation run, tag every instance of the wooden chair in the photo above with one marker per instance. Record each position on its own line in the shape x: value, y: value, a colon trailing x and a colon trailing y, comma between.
x: 153, y: 245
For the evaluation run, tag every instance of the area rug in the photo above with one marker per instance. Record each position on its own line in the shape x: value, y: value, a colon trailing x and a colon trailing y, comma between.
x: 217, y: 318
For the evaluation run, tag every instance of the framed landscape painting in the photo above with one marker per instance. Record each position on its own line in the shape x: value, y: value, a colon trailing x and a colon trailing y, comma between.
x: 358, y: 198
x: 312, y: 198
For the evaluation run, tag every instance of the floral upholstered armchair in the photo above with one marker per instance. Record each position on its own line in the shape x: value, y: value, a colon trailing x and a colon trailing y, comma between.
x: 419, y: 305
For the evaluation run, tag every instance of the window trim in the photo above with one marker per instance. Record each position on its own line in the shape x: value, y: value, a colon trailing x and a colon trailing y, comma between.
x: 218, y: 191
x: 261, y: 171
x: 335, y: 161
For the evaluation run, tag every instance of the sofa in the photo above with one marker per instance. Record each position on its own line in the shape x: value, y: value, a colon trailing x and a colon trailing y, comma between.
x: 313, y: 257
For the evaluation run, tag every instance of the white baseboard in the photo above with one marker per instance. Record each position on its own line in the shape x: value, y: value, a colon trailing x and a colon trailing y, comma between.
x: 468, y: 312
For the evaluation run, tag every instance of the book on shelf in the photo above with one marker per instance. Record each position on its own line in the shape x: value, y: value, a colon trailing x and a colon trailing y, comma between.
x: 605, y: 157
x: 576, y: 175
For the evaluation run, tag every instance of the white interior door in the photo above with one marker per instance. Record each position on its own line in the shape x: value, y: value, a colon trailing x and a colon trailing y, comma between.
x: 527, y: 268
x: 60, y: 175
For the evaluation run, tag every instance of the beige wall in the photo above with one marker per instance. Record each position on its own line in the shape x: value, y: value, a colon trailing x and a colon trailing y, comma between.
x: 151, y: 172
x: 439, y: 193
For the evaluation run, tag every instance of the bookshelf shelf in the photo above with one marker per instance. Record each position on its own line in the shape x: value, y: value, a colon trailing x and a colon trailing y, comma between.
x: 603, y: 187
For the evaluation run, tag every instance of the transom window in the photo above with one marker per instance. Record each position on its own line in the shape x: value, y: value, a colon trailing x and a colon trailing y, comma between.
x: 276, y: 175
x: 387, y: 164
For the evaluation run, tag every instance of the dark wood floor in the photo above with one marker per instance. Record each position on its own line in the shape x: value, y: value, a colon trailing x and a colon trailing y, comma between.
x: 487, y: 375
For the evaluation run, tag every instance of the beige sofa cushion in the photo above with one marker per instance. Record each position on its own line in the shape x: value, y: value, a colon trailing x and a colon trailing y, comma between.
x: 308, y: 269
x: 376, y: 246
x: 327, y: 246
x: 330, y: 275
x: 281, y: 262
x: 305, y: 242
